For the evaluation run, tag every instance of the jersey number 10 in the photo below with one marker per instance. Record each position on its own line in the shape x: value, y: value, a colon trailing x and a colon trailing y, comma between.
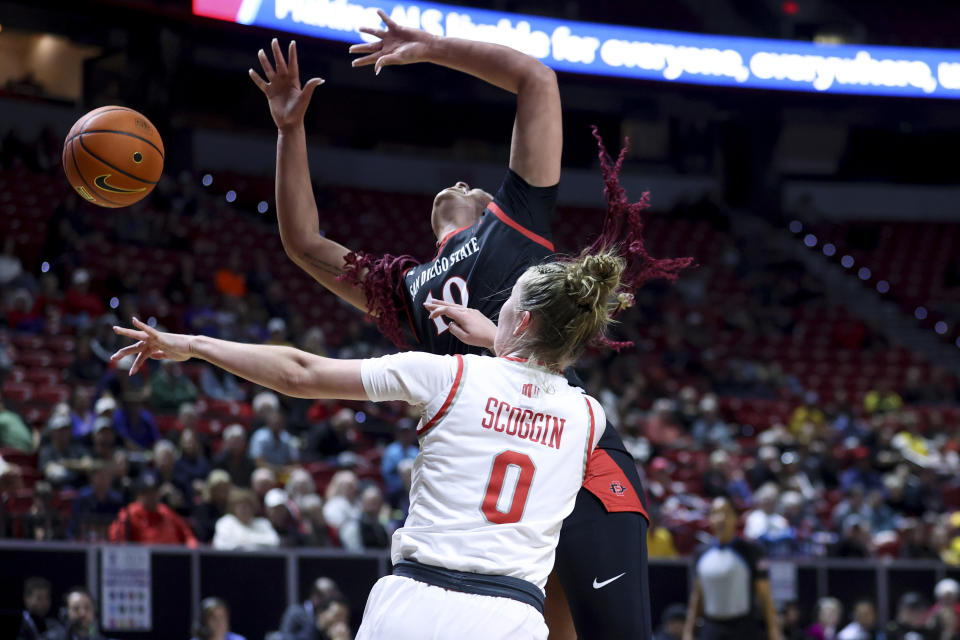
x: 448, y: 286
x: 495, y: 487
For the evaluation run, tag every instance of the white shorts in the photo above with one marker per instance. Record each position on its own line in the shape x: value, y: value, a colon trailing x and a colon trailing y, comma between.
x: 401, y: 608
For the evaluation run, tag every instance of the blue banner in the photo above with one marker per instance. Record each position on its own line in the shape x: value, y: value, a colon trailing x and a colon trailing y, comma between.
x: 631, y: 52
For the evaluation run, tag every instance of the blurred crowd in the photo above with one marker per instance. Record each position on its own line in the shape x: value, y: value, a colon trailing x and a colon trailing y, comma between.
x: 191, y: 455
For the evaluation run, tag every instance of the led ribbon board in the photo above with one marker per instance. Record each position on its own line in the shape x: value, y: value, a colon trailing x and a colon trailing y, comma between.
x: 611, y: 50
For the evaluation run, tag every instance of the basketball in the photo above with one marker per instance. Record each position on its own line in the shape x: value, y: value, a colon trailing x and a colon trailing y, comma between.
x: 113, y: 156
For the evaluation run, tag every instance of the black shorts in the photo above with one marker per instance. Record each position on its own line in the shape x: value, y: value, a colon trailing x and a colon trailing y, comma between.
x: 602, y: 554
x: 746, y: 628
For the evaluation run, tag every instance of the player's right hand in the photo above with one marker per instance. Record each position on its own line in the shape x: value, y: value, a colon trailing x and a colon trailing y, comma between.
x: 151, y: 343
x: 396, y: 45
x: 466, y: 324
x: 288, y: 100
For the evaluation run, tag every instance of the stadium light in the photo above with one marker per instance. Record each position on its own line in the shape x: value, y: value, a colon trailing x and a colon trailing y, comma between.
x: 846, y: 261
x: 207, y: 180
x: 231, y: 195
x: 796, y: 226
x: 883, y: 286
x: 940, y: 327
x: 829, y: 249
x: 810, y: 240
x: 864, y: 273
x: 920, y: 313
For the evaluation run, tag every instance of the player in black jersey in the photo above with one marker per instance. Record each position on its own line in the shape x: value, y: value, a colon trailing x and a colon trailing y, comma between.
x: 484, y: 243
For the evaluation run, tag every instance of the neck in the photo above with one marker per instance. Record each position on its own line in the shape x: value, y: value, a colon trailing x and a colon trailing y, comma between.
x: 724, y: 538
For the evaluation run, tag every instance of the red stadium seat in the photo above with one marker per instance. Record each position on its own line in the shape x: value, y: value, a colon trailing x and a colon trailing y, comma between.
x: 31, y: 359
x: 17, y: 391
x: 54, y: 394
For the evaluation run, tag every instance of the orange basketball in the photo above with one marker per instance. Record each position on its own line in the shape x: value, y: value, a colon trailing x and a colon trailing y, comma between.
x: 113, y: 156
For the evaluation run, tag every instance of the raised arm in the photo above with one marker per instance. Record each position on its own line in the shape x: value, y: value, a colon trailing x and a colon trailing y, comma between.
x: 297, y: 211
x: 537, y: 141
x: 284, y: 369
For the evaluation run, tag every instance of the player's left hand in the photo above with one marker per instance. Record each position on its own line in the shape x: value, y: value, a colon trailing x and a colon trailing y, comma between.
x: 466, y: 324
x: 397, y: 45
x: 151, y: 343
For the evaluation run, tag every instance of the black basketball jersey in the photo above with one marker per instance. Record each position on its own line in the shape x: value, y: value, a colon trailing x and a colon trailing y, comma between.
x: 478, y: 265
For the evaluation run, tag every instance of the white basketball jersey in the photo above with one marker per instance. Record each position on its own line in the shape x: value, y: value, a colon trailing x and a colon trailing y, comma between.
x: 503, y: 447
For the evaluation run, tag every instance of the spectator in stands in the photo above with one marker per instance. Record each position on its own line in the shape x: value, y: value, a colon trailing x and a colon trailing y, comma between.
x: 332, y: 437
x: 716, y: 478
x: 105, y: 342
x: 233, y: 457
x: 764, y: 523
x: 854, y: 538
x: 916, y: 541
x: 318, y: 534
x: 882, y: 517
x: 192, y: 467
x: 864, y: 623
x: 61, y: 459
x: 277, y: 332
x: 271, y: 444
x: 659, y: 539
x: 11, y: 478
x: 661, y: 428
x: 829, y: 612
x: 241, y: 528
x: 95, y: 506
x: 808, y: 413
x: 341, y: 498
x: 765, y: 468
x: 218, y: 384
x: 261, y: 481
x: 82, y: 416
x: 123, y: 482
x: 709, y: 430
x: 910, y: 623
x: 882, y: 399
x: 299, y: 485
x: 671, y: 623
x: 173, y: 493
x: 216, y: 503
x: 300, y: 620
x: 11, y: 268
x: 134, y: 423
x: 403, y: 447
x: 402, y: 508
x: 148, y: 521
x: 180, y: 285
x: 80, y: 305
x: 36, y: 606
x: 42, y: 521
x: 791, y: 627
x: 81, y: 622
x: 104, y: 438
x: 947, y: 594
x: 853, y: 504
x: 862, y: 473
x: 86, y: 367
x: 14, y: 432
x: 315, y: 342
x: 365, y: 530
x: 170, y: 388
x: 188, y: 417
x: 229, y: 279
x: 288, y: 528
x: 214, y: 623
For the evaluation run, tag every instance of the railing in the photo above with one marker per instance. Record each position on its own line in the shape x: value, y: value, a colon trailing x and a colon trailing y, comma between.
x: 260, y: 585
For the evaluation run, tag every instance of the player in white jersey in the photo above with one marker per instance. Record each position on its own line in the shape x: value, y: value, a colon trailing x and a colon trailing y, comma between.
x: 504, y: 444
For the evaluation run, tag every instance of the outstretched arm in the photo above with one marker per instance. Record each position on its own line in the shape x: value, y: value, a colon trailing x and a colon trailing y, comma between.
x: 538, y: 129
x: 297, y: 212
x: 284, y: 369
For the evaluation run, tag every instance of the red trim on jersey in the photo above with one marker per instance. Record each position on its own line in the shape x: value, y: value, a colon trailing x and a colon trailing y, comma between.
x: 592, y: 423
x: 447, y: 237
x: 507, y: 220
x: 446, y: 403
x: 406, y: 307
x: 606, y: 480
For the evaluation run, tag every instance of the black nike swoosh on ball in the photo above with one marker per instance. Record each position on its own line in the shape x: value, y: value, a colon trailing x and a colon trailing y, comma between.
x: 101, y: 182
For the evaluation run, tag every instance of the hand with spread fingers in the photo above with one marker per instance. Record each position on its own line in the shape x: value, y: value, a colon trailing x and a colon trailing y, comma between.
x: 397, y: 45
x: 467, y: 325
x: 288, y: 100
x: 151, y: 343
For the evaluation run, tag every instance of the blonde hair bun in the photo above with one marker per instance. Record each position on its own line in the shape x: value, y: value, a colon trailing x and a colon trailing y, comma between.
x: 593, y: 279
